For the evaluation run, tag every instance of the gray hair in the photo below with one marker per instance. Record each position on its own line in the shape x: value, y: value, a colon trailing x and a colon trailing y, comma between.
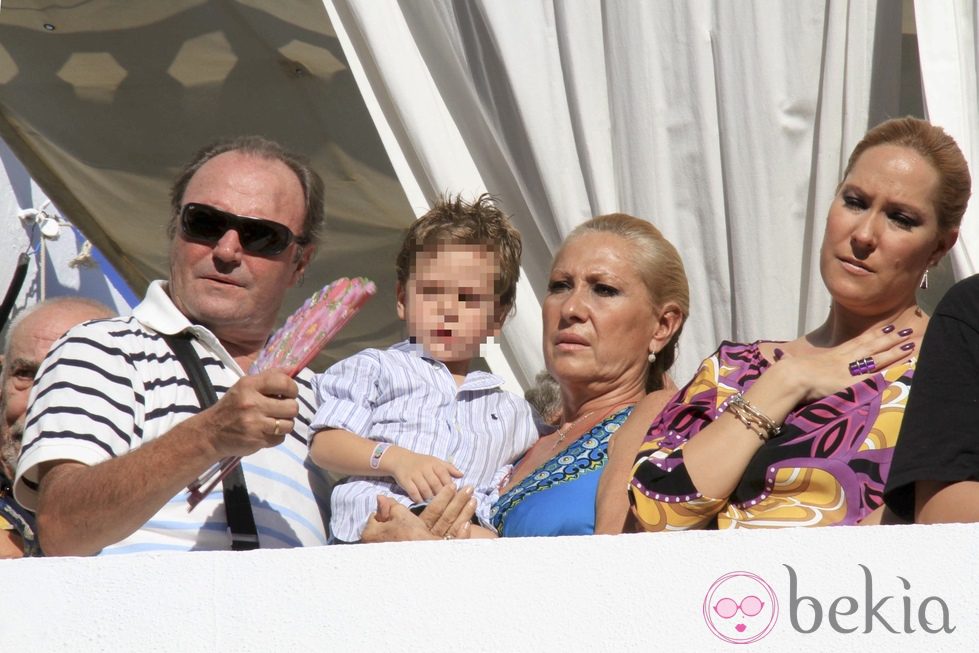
x: 545, y: 396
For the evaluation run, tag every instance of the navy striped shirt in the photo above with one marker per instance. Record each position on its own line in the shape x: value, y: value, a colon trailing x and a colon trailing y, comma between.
x: 109, y: 386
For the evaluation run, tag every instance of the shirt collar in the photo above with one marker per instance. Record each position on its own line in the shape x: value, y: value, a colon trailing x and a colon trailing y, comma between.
x: 158, y: 312
x: 475, y: 380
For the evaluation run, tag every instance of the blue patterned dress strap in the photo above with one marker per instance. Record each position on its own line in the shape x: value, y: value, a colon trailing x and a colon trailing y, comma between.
x: 558, y: 498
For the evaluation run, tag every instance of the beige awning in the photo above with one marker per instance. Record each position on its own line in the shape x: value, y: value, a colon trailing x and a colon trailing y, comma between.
x: 104, y: 101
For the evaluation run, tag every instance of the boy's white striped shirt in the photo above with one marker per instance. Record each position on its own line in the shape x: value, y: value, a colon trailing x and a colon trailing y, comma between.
x: 399, y: 396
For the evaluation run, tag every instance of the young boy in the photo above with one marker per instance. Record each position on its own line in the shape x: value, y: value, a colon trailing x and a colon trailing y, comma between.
x: 410, y: 419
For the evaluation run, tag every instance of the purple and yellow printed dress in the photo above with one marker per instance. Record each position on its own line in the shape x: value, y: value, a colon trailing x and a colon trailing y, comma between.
x: 827, y: 467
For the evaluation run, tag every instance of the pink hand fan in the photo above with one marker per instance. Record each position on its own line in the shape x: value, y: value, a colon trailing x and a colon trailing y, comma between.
x: 292, y: 347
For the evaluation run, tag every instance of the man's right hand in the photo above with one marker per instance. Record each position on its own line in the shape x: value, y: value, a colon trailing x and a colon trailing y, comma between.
x: 130, y: 489
x: 257, y: 412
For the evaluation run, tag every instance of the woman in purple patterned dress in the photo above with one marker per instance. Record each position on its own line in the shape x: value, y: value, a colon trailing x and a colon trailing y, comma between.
x: 801, y: 433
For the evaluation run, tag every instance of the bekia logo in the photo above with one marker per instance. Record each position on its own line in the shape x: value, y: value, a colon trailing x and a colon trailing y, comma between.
x: 848, y: 614
x: 742, y: 608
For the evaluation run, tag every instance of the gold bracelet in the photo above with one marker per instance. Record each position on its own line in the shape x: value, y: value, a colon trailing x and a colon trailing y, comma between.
x: 748, y: 422
x: 766, y: 422
x: 752, y: 418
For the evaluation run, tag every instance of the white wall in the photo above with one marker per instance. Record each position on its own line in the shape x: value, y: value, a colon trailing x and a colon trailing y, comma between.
x: 633, y: 592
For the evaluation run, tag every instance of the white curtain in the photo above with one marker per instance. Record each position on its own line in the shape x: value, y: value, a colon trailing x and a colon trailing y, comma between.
x: 948, y: 47
x: 726, y: 124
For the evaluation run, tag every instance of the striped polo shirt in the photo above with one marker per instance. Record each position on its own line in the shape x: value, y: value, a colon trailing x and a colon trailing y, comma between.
x: 108, y: 386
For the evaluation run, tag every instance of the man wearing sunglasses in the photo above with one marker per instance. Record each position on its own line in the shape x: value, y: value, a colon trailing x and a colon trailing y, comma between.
x: 115, y: 433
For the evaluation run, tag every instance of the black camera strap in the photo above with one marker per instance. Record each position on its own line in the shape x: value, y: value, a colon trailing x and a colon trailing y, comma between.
x: 237, y: 507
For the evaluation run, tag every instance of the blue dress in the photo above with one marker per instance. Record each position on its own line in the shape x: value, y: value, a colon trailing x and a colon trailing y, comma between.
x: 558, y: 498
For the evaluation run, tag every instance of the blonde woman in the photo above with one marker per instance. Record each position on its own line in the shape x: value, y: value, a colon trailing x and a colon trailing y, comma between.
x: 801, y: 433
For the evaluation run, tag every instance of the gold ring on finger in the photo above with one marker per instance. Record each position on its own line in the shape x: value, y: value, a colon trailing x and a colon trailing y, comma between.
x: 275, y: 428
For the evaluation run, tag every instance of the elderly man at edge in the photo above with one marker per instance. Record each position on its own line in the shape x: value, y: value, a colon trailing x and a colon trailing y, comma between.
x: 28, y: 341
x: 115, y: 433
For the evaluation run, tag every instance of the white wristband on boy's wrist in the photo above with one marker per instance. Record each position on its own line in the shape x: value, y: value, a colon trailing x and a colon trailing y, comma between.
x: 378, y: 453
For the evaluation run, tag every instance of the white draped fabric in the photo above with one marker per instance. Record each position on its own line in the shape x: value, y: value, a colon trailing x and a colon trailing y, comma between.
x: 948, y: 46
x: 725, y: 124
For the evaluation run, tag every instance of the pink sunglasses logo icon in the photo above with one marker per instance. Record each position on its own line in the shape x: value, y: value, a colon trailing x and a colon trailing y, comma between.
x: 741, y: 622
x: 750, y: 606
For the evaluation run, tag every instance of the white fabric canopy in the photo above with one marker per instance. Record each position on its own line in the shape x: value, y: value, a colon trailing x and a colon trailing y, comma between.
x: 725, y: 124
x: 948, y: 44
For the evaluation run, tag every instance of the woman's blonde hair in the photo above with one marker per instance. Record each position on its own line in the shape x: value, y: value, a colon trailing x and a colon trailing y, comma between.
x: 661, y: 270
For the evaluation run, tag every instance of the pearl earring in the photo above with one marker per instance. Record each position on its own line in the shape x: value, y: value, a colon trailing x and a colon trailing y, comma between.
x: 652, y: 357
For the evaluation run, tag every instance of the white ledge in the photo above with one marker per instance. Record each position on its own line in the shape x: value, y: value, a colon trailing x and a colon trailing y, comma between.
x: 631, y: 592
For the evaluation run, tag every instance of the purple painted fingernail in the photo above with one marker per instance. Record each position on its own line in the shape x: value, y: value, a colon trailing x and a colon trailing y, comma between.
x: 904, y: 333
x: 888, y: 328
x: 778, y: 354
x: 908, y: 346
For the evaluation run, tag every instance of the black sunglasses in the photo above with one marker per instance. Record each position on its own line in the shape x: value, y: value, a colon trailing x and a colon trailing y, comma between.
x: 207, y: 224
